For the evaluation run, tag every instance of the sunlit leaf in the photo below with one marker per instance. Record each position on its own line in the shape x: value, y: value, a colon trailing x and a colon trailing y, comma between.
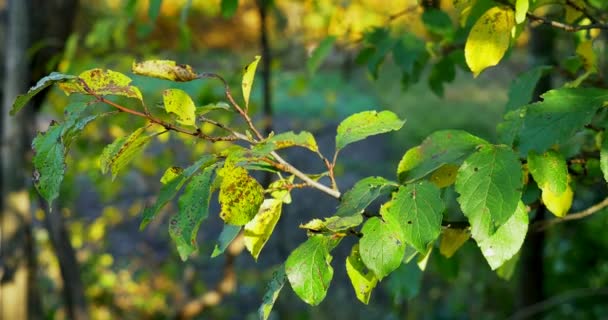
x: 508, y: 239
x: 452, y: 240
x: 248, y: 77
x: 228, y: 234
x: 49, y: 162
x: 122, y: 151
x: 280, y: 189
x: 440, y: 148
x: 309, y: 270
x: 277, y: 282
x: 283, y: 140
x: 102, y: 82
x: 165, y: 69
x: 507, y: 269
x: 558, y: 203
x: 362, y: 279
x: 258, y: 230
x: 364, y: 124
x: 418, y: 209
x: 585, y: 51
x: 362, y: 194
x: 179, y: 102
x: 490, y: 184
x: 604, y: 156
x: 521, y: 9
x: 240, y: 195
x: 489, y: 39
x: 550, y: 170
x: 43, y: 83
x: 170, y: 174
x: 382, y: 247
x: 193, y: 209
x: 319, y: 54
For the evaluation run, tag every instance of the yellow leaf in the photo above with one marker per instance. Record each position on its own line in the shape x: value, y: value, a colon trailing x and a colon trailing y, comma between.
x: 258, y: 230
x: 452, y: 240
x: 521, y: 8
x: 362, y: 279
x: 240, y: 195
x: 180, y: 103
x: 489, y: 39
x: 164, y: 69
x: 558, y: 204
x: 445, y: 175
x: 102, y: 82
x: 247, y: 82
x: 585, y: 51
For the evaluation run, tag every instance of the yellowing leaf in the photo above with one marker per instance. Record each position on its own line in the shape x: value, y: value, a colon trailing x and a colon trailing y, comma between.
x: 587, y: 55
x: 362, y: 279
x: 165, y: 69
x: 179, y: 102
x: 247, y: 82
x: 558, y: 203
x: 521, y: 8
x: 572, y: 14
x: 258, y: 230
x: 489, y: 39
x: 452, y: 240
x: 240, y: 195
x: 445, y: 175
x: 170, y: 174
x: 102, y: 82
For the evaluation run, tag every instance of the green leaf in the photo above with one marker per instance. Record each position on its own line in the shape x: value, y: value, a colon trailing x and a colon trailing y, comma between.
x: 405, y: 282
x: 508, y: 239
x: 441, y: 73
x: 489, y: 39
x: 362, y: 194
x: 382, y: 247
x: 280, y: 189
x: 408, y: 51
x: 364, y: 124
x: 363, y: 280
x: 418, y: 208
x: 381, y: 44
x: 123, y: 150
x: 557, y: 118
x: 309, y: 270
x: 522, y: 88
x: 229, y: 233
x: 521, y: 9
x: 490, y: 184
x: 179, y: 102
x: 171, y: 174
x: 319, y: 54
x: 240, y: 195
x: 154, y: 9
x: 437, y: 22
x: 43, y: 83
x: 441, y: 147
x: 285, y: 140
x: 212, y: 107
x: 549, y: 170
x: 193, y: 209
x: 165, y: 69
x: 272, y: 292
x: 248, y: 77
x: 49, y: 162
x: 258, y: 230
x: 102, y: 82
x: 172, y: 187
x: 604, y: 156
x: 228, y: 7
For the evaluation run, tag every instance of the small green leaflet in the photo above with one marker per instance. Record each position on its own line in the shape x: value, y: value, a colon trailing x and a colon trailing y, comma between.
x: 309, y: 270
x: 179, y: 102
x: 441, y: 147
x: 43, y: 83
x: 272, y: 292
x: 240, y: 195
x: 193, y: 209
x: 171, y: 188
x: 119, y: 153
x: 248, y: 77
x: 508, y: 239
x: 165, y: 69
x: 285, y: 140
x: 549, y: 170
x: 49, y: 162
x: 522, y: 88
x: 319, y: 54
x: 556, y: 119
x: 604, y: 156
x: 228, y: 7
x: 382, y: 247
x: 170, y: 174
x: 102, y: 82
x: 521, y: 9
x: 229, y: 233
x: 363, y: 280
x: 258, y: 231
x: 364, y: 124
x: 490, y: 184
x: 418, y: 208
x: 362, y: 194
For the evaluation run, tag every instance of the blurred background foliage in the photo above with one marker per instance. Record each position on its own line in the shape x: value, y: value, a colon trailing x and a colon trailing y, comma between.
x: 130, y: 274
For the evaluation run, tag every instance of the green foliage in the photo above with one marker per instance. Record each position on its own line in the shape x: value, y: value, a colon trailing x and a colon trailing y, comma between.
x: 364, y: 124
x: 320, y: 53
x: 258, y: 231
x: 248, y: 76
x: 49, y: 161
x: 122, y: 151
x: 42, y: 84
x: 285, y: 140
x: 363, y: 280
x: 275, y: 285
x: 382, y: 246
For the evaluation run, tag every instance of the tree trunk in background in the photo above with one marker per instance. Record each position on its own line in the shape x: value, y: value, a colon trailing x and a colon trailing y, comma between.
x: 17, y: 268
x: 532, y: 273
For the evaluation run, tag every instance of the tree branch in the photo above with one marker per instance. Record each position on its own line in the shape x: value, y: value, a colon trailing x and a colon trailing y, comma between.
x: 564, y: 26
x: 542, y: 225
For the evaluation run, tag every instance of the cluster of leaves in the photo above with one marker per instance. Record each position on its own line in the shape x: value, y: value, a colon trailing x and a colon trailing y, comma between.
x: 499, y: 184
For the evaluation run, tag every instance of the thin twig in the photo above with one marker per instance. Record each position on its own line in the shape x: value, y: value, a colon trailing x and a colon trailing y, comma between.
x: 584, y: 10
x: 542, y: 225
x: 564, y: 26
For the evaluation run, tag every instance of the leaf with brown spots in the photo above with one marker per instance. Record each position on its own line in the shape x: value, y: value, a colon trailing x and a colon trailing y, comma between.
x: 240, y: 195
x: 123, y: 150
x: 165, y: 69
x: 259, y: 230
x: 103, y: 82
